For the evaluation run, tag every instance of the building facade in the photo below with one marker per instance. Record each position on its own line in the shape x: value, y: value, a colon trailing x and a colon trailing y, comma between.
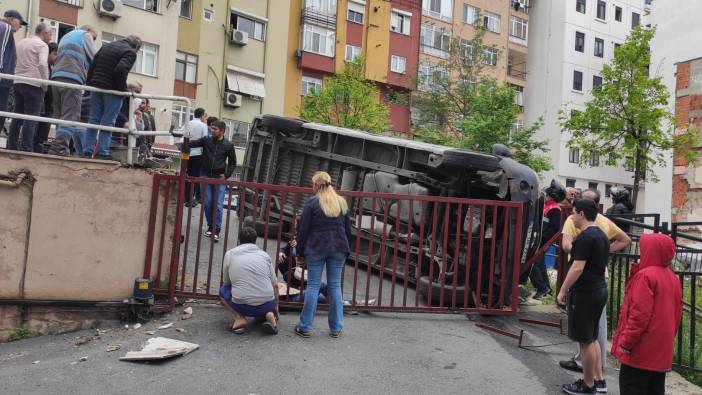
x: 676, y: 56
x: 568, y: 47
x: 506, y: 24
x: 231, y: 60
x: 324, y: 34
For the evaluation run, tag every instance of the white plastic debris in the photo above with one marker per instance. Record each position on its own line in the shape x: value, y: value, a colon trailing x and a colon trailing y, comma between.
x: 150, y: 333
x: 137, y: 326
x: 83, y: 359
x: 166, y: 326
x: 161, y: 348
x: 188, y: 310
x: 114, y: 348
x: 180, y: 330
x: 36, y: 362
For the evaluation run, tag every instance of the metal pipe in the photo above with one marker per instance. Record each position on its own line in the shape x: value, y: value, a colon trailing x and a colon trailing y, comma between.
x: 19, y: 178
x: 59, y: 302
x: 113, y: 129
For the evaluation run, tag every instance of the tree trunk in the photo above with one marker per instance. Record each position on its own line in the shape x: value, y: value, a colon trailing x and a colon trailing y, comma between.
x: 637, y: 177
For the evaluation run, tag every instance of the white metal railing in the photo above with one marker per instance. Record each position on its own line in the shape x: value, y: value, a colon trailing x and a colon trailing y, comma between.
x: 129, y: 130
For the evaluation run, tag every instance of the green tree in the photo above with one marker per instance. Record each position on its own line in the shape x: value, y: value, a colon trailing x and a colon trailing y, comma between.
x: 459, y: 105
x: 348, y: 100
x: 627, y: 120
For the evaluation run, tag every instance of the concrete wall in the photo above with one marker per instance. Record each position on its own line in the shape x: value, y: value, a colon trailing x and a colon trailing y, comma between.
x: 86, y: 223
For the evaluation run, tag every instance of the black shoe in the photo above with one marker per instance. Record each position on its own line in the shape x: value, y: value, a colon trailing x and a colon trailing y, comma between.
x: 601, y: 386
x: 302, y: 333
x: 571, y: 365
x: 541, y: 294
x: 335, y: 335
x: 59, y: 148
x: 579, y: 388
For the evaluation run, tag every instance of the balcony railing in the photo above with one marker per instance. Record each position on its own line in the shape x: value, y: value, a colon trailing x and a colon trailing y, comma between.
x: 74, y: 3
x: 516, y: 73
x: 319, y: 18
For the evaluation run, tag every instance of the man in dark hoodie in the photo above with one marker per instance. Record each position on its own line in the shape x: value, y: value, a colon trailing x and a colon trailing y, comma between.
x: 648, y: 319
x: 109, y: 70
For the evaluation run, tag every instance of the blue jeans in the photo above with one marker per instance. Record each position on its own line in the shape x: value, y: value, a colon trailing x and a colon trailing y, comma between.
x: 225, y: 292
x: 208, y: 199
x: 104, y: 108
x: 315, y: 265
x: 27, y: 100
x: 79, y: 141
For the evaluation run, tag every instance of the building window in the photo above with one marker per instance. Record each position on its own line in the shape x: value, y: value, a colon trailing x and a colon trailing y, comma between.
x: 147, y: 5
x: 574, y: 113
x: 580, y: 42
x: 440, y: 9
x: 490, y: 56
x: 186, y: 67
x: 352, y: 53
x: 592, y: 185
x: 574, y: 155
x: 398, y: 64
x: 580, y: 6
x: 435, y: 41
x: 147, y: 56
x: 618, y: 14
x: 599, y: 47
x: 578, y: 80
x: 355, y: 12
x: 430, y: 74
x: 208, y: 15
x: 570, y: 183
x: 400, y: 22
x: 237, y: 131
x: 491, y: 22
x: 518, y: 27
x: 608, y: 190
x: 58, y: 29
x: 601, y: 9
x: 519, y: 96
x: 466, y: 51
x: 324, y: 6
x: 318, y: 40
x: 635, y: 19
x: 594, y: 159
x: 254, y: 28
x: 186, y: 9
x: 310, y: 85
x: 616, y: 45
x: 180, y: 116
x: 470, y: 14
x: 596, y: 82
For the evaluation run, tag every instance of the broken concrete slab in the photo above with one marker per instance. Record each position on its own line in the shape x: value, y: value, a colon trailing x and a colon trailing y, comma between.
x: 188, y: 310
x: 159, y: 348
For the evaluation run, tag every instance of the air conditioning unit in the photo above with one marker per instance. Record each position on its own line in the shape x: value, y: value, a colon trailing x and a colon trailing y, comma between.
x: 110, y: 8
x: 232, y: 100
x: 239, y: 37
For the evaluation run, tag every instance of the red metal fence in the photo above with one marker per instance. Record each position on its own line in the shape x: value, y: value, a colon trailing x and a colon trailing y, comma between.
x: 409, y: 253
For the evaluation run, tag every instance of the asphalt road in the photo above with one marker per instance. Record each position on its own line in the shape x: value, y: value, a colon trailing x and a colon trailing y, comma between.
x: 377, y: 354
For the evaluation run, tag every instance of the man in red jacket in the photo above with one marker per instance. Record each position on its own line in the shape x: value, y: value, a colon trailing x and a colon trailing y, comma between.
x: 648, y: 319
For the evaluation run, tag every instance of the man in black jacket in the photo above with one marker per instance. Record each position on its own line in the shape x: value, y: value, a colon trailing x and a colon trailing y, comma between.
x: 109, y: 70
x: 218, y: 161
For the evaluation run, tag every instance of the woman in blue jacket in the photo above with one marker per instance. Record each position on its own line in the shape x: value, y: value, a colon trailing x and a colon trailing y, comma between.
x: 323, y: 238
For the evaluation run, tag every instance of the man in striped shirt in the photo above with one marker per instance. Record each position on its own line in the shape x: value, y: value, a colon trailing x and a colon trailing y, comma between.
x: 11, y: 23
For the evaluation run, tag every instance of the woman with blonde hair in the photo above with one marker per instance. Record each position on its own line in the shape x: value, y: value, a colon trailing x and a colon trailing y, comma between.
x: 323, y: 238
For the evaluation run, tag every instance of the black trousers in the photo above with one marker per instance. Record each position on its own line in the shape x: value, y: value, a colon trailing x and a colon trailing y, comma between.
x: 539, y: 276
x: 194, y: 165
x: 634, y: 381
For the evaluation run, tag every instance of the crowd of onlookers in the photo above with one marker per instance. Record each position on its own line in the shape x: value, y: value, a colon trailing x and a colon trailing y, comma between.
x: 73, y: 60
x: 652, y: 308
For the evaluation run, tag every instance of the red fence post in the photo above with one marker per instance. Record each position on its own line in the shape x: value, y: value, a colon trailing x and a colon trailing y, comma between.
x: 175, y: 253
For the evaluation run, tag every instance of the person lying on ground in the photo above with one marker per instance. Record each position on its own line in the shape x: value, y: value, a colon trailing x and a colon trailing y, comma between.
x: 250, y: 284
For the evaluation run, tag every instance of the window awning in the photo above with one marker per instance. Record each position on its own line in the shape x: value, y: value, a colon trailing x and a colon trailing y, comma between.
x: 245, y: 81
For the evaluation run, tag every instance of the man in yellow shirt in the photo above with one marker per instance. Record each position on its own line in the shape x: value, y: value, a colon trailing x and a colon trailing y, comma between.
x: 618, y: 241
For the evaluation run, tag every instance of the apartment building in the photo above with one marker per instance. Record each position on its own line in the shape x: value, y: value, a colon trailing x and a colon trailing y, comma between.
x: 231, y: 60
x: 568, y: 47
x: 506, y: 24
x: 155, y: 21
x: 324, y: 34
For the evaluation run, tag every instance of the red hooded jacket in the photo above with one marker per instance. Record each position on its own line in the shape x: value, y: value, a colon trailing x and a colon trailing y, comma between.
x: 652, y: 308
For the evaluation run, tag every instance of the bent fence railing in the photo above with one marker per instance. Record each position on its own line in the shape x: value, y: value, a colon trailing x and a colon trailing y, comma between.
x: 409, y: 253
x: 130, y: 131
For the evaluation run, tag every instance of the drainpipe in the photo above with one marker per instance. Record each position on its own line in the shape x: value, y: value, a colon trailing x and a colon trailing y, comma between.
x: 265, y: 51
x: 222, y: 90
x: 30, y: 6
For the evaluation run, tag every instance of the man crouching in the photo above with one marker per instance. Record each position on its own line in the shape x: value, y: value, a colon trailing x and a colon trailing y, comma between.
x: 250, y: 285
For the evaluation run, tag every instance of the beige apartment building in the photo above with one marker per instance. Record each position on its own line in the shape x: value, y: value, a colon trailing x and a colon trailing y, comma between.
x: 155, y: 21
x: 231, y: 59
x: 506, y: 23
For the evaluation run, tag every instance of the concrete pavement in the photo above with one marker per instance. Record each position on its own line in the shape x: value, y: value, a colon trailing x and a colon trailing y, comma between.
x: 377, y: 353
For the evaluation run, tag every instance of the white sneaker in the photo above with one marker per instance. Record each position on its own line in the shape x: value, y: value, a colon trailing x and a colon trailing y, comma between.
x: 208, y: 233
